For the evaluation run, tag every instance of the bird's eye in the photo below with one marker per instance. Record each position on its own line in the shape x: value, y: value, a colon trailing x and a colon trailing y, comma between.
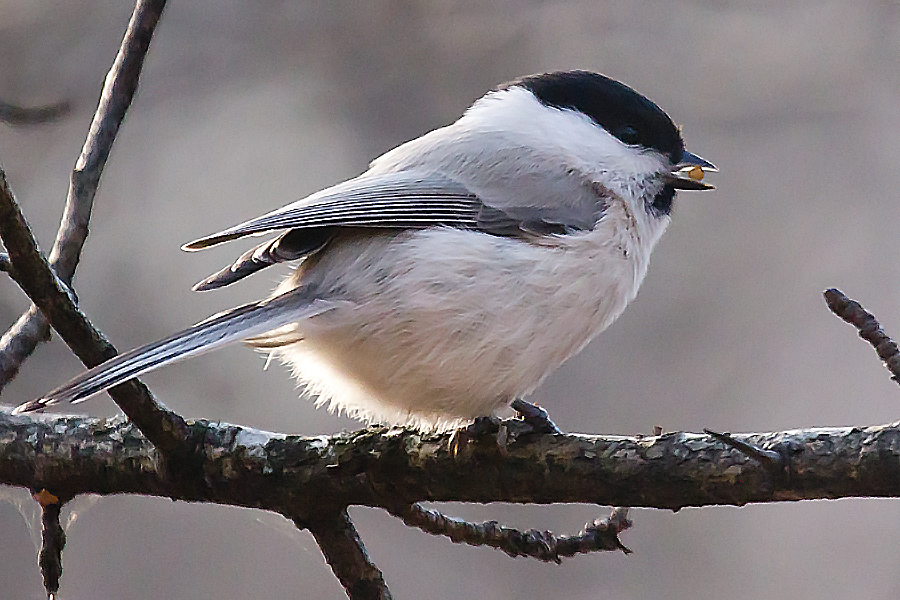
x: 628, y: 134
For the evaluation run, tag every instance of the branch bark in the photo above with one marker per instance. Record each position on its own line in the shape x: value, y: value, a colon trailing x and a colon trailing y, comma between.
x: 382, y: 467
x: 868, y: 328
x: 602, y: 534
x: 47, y: 285
x: 53, y: 540
x: 346, y: 555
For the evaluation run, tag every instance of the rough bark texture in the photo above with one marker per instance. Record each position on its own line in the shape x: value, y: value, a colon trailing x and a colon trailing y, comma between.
x: 602, y: 534
x: 53, y: 540
x: 382, y: 467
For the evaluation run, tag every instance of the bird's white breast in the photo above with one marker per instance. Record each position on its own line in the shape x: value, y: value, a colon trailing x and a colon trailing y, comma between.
x: 460, y: 323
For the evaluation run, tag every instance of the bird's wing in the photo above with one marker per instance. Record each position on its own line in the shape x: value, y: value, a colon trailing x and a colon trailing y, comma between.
x: 413, y: 199
x: 404, y: 200
x: 226, y: 328
x: 293, y: 244
x: 416, y: 199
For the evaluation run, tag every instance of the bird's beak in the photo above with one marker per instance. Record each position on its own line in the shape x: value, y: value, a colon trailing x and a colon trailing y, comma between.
x: 688, y: 174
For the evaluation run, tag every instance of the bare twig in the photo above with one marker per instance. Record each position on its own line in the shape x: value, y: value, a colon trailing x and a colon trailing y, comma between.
x: 53, y: 540
x: 869, y: 329
x: 769, y: 458
x: 345, y: 553
x: 118, y: 90
x: 602, y: 534
x: 21, y: 115
x: 27, y: 267
x: 33, y: 274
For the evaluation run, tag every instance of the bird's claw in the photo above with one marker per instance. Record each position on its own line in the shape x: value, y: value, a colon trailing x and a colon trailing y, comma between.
x: 535, y: 417
x: 462, y: 437
x: 531, y: 420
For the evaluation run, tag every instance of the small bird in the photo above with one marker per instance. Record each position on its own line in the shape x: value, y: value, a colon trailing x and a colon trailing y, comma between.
x: 462, y: 267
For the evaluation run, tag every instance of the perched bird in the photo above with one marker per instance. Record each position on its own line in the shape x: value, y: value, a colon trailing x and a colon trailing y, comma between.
x: 463, y: 266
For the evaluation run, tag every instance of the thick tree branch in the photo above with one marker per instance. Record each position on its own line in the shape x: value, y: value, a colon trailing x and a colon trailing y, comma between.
x: 382, y: 467
x: 19, y: 342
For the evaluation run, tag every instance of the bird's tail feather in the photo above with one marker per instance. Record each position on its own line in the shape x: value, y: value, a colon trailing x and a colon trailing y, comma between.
x: 220, y: 330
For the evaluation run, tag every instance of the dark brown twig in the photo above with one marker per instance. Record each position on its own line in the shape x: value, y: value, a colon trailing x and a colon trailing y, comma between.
x: 869, y: 329
x: 769, y: 458
x: 19, y: 342
x: 53, y: 540
x: 34, y: 115
x: 602, y: 534
x: 31, y: 271
x: 347, y: 557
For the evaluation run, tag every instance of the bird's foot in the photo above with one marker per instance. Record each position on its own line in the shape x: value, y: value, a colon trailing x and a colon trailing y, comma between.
x: 535, y: 417
x: 462, y: 437
x: 531, y: 420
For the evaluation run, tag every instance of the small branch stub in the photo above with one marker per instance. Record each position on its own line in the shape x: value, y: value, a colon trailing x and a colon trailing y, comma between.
x: 769, y: 458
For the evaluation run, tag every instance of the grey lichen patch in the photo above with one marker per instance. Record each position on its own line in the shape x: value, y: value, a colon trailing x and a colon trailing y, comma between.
x: 655, y: 451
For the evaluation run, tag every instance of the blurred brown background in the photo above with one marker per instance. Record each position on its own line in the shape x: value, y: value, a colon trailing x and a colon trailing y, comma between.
x: 245, y: 106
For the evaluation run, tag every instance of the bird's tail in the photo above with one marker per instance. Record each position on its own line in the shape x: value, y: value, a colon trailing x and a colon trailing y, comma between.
x: 220, y: 330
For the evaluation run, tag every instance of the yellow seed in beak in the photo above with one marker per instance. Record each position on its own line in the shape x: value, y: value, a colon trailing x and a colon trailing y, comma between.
x: 696, y: 174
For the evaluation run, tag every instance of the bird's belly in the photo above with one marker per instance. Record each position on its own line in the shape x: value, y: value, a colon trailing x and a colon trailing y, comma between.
x: 442, y: 325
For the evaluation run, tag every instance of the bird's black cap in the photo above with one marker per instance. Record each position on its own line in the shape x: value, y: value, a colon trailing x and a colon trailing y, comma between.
x: 620, y: 110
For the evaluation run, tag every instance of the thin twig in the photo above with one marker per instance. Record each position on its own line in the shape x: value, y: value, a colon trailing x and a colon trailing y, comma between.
x: 345, y: 553
x: 53, y: 540
x: 19, y: 342
x: 33, y: 115
x: 602, y: 534
x: 31, y: 271
x: 769, y: 458
x: 869, y: 329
